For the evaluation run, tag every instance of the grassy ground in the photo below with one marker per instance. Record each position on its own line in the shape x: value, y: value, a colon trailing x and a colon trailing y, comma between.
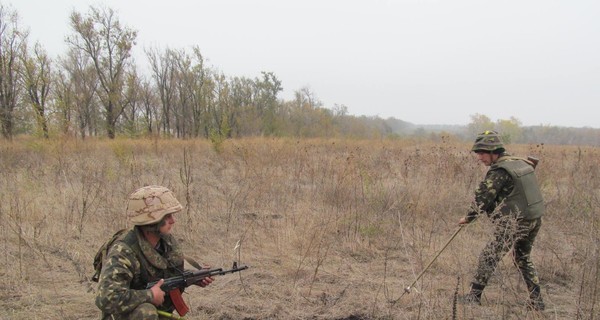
x: 331, y: 229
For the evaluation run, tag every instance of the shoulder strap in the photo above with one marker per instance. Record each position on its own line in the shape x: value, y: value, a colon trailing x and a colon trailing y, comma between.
x: 103, y: 253
x: 530, y: 160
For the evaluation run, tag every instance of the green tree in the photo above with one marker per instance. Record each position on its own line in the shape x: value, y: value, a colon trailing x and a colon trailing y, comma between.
x: 479, y: 123
x: 510, y: 130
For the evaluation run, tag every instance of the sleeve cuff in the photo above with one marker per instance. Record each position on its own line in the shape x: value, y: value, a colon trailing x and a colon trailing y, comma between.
x: 149, y: 296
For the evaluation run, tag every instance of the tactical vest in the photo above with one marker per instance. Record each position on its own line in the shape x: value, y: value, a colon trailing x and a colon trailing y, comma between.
x: 526, y: 198
x: 153, y: 266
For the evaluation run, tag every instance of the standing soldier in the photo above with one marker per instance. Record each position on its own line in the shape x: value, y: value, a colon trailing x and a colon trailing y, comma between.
x: 146, y: 253
x: 511, y: 198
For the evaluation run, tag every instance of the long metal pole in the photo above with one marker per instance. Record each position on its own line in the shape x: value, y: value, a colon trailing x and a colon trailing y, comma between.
x: 407, y: 289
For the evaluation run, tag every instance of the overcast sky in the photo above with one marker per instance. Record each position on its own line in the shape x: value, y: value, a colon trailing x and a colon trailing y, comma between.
x: 422, y: 61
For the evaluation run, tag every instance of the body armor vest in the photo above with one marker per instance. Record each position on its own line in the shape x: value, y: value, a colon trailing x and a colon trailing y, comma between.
x: 525, y: 200
x: 154, y: 266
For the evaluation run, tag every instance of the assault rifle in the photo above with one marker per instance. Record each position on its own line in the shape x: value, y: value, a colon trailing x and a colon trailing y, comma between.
x: 174, y: 286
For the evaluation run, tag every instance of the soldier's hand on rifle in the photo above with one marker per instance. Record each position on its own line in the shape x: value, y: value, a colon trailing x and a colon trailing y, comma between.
x: 204, y: 282
x: 158, y: 296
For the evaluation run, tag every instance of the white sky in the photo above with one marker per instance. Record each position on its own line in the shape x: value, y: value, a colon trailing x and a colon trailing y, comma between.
x: 422, y: 61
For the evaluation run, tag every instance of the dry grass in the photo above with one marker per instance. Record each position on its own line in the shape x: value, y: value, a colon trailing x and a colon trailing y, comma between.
x: 332, y: 229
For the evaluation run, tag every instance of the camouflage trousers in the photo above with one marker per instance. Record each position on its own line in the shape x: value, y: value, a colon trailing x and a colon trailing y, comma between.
x: 518, y: 235
x: 145, y: 311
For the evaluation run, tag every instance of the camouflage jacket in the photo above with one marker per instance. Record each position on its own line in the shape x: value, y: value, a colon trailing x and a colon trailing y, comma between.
x: 510, y: 189
x: 130, y: 265
x: 492, y: 191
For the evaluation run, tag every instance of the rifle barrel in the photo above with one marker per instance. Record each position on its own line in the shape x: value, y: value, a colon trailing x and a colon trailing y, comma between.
x: 184, y: 279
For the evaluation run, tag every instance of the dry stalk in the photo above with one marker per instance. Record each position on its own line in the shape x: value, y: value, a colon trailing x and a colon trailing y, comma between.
x: 301, y: 208
x: 186, y: 176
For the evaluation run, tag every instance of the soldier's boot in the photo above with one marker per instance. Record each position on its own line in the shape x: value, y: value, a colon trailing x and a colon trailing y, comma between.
x: 535, y: 299
x: 474, y: 296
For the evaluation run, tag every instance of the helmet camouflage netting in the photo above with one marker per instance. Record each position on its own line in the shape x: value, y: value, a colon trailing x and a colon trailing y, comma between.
x: 488, y: 141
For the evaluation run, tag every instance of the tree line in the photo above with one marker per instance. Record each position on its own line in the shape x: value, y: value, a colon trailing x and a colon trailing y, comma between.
x: 95, y: 89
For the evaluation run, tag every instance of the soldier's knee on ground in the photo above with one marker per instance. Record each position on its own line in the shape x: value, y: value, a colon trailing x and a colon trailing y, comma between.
x: 145, y: 311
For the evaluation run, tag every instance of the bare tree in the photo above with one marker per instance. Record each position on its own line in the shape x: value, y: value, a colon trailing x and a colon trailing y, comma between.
x: 102, y: 37
x: 223, y: 112
x: 306, y: 117
x: 164, y: 75
x: 64, y: 101
x: 182, y: 111
x: 192, y: 77
x: 150, y: 108
x: 37, y: 81
x: 12, y: 42
x: 266, y: 101
x: 78, y: 91
x: 132, y: 101
x: 244, y: 120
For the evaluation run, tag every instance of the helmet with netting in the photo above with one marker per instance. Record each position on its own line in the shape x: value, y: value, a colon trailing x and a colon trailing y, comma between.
x: 148, y: 205
x: 488, y: 141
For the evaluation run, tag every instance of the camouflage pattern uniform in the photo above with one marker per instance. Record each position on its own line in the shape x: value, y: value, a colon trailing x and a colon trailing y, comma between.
x: 511, y: 198
x: 132, y: 262
x: 510, y: 231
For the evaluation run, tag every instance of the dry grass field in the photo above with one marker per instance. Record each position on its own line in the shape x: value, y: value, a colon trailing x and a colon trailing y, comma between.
x: 331, y: 229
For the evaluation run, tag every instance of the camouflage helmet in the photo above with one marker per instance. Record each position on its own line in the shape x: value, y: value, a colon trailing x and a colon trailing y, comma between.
x: 148, y: 205
x: 488, y: 141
